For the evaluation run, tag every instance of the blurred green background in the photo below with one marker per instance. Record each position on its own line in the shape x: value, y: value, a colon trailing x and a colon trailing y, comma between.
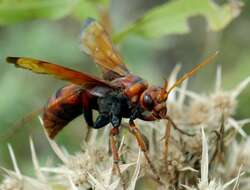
x: 152, y: 36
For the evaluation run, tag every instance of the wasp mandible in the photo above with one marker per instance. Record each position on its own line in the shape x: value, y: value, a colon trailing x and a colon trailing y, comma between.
x: 118, y: 94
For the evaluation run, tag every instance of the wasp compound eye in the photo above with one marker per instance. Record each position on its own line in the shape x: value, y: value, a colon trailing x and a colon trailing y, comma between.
x: 148, y: 102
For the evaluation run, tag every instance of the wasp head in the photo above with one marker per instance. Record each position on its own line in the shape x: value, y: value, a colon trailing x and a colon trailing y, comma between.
x: 154, y: 100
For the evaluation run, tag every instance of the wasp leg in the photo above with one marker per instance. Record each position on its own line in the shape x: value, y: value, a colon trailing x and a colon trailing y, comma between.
x: 113, y: 133
x: 87, y: 114
x: 136, y: 132
x: 136, y: 113
x: 116, y: 121
x: 102, y: 120
x: 177, y: 128
x: 104, y: 108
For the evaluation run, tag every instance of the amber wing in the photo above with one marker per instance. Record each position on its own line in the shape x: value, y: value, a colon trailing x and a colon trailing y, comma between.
x: 96, y: 42
x: 63, y: 73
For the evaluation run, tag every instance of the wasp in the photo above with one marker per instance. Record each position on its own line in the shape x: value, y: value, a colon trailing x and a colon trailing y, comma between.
x: 118, y: 94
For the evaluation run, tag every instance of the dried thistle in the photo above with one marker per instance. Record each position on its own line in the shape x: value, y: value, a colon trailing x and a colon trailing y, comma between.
x: 215, y: 161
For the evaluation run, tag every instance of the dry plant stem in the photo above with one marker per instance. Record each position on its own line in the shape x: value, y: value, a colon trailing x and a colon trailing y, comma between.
x: 166, y: 144
x: 219, y: 151
x: 115, y: 154
x: 154, y: 140
x: 136, y: 132
x: 221, y: 142
x: 177, y: 128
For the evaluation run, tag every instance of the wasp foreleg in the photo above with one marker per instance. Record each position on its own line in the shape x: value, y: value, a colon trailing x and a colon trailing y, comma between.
x: 136, y: 132
x: 136, y: 113
x: 177, y: 128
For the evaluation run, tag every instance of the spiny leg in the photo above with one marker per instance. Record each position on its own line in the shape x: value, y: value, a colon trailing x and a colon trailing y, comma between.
x: 113, y: 133
x: 136, y: 132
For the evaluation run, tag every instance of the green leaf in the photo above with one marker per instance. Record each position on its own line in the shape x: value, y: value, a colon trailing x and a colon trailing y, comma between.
x: 85, y: 9
x: 12, y: 11
x: 89, y: 8
x: 171, y: 18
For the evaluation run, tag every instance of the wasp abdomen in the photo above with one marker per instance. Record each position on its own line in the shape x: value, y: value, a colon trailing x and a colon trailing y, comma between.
x: 64, y: 106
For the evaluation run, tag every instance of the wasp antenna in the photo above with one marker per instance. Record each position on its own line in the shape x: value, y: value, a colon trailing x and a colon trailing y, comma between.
x: 193, y: 71
x: 165, y: 86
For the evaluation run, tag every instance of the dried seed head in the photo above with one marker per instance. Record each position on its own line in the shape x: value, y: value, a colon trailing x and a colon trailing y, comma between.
x: 199, y: 113
x: 244, y: 154
x: 10, y: 183
x: 79, y: 165
x: 175, y: 112
x: 223, y: 103
x: 181, y: 165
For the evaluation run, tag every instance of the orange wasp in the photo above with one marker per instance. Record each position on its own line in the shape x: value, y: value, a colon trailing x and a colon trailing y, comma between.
x: 119, y: 94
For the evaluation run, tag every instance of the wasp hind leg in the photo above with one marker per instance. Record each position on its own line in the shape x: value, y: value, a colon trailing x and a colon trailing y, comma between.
x: 88, y: 116
x: 116, y: 158
x: 101, y: 120
x: 115, y: 119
